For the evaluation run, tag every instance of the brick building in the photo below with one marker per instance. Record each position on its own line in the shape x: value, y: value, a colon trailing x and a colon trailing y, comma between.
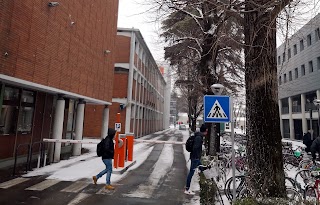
x: 54, y: 59
x: 138, y: 92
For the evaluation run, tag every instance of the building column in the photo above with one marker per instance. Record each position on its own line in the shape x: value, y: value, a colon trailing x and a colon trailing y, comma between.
x: 291, y: 124
x: 318, y: 94
x: 79, y: 128
x: 58, y: 127
x: 280, y: 115
x: 105, y: 122
x: 303, y: 113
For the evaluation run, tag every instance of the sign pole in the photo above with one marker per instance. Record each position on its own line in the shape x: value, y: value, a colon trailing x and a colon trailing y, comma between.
x: 233, y: 153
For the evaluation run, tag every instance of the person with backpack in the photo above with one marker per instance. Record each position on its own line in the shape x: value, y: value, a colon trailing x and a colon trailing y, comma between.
x: 106, y: 150
x: 195, y: 143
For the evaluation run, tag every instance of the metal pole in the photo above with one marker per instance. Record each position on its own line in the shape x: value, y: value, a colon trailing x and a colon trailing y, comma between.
x: 233, y: 153
x: 319, y: 120
x: 310, y: 111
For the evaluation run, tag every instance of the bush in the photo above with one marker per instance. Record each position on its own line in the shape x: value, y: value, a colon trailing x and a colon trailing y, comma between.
x: 270, y: 201
x: 207, y: 191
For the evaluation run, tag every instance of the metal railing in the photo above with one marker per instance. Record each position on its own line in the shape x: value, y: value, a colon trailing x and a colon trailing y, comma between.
x: 41, y: 156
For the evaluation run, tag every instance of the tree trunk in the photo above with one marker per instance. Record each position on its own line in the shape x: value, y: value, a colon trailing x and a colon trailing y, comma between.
x: 264, y: 148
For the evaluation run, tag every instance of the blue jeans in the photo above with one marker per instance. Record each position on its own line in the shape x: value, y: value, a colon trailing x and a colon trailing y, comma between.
x: 193, y: 166
x: 108, y: 170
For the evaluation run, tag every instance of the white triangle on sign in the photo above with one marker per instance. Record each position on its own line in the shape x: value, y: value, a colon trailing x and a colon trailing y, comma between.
x: 217, y: 112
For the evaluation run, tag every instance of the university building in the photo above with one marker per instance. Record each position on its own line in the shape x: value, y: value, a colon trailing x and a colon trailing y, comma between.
x: 138, y: 93
x: 54, y: 61
x: 298, y: 62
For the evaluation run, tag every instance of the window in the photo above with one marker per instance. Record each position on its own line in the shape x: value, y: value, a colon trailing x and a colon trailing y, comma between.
x: 296, y: 74
x: 283, y: 56
x: 284, y: 78
x: 26, y: 111
x: 310, y: 67
x: 279, y: 60
x: 290, y: 75
x: 309, y: 40
x: 303, y: 70
x: 295, y: 50
x: 301, y: 45
x: 318, y: 63
x: 289, y: 53
x: 317, y: 34
x: 14, y: 117
x: 280, y: 80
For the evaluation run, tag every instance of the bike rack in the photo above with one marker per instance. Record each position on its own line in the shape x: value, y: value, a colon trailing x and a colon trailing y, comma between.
x: 16, y: 156
x: 41, y: 155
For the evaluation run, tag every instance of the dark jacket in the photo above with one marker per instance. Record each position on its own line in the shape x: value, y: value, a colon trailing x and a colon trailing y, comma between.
x: 307, y: 141
x: 109, y: 145
x: 197, y: 146
x: 315, y: 144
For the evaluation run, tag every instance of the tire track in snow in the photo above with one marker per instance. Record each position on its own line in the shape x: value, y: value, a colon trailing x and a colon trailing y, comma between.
x: 160, y: 169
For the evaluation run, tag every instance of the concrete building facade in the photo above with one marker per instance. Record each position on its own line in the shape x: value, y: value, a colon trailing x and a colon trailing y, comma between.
x: 53, y: 61
x: 298, y: 62
x: 139, y: 88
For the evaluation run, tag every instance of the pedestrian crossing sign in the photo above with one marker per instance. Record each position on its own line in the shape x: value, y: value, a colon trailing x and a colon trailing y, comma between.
x: 216, y: 108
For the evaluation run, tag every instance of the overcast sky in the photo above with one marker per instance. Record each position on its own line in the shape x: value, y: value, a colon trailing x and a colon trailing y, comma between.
x: 132, y: 13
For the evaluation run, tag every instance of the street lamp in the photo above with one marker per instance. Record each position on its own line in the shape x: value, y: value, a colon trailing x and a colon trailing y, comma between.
x: 317, y: 103
x: 217, y: 89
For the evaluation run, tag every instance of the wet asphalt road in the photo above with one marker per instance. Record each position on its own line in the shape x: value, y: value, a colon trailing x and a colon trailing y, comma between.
x: 168, y: 190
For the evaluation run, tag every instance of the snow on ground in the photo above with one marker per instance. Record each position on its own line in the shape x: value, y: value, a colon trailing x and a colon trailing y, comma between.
x: 90, y: 165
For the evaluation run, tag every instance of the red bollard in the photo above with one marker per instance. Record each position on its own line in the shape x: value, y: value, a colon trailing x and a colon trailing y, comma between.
x: 130, y: 141
x: 122, y: 150
x: 116, y: 145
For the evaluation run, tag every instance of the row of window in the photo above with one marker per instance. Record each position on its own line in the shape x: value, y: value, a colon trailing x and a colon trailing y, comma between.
x: 295, y: 47
x: 296, y: 72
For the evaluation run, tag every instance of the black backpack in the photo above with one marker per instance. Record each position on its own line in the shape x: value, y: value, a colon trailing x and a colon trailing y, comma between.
x: 189, y: 143
x: 101, y: 147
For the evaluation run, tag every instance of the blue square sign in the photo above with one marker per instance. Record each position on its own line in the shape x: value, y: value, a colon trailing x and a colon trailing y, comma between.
x: 216, y: 108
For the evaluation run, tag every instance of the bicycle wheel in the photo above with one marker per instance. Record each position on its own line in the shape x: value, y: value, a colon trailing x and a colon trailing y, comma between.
x: 218, y: 197
x: 240, y: 183
x: 244, y: 193
x: 302, y: 178
x: 289, y: 182
x: 304, y: 164
x: 293, y: 195
x: 221, y: 176
x: 310, y: 195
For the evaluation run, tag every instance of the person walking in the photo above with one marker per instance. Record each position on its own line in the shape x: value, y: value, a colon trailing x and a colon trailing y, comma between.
x: 307, y: 141
x: 195, y: 156
x: 107, y: 156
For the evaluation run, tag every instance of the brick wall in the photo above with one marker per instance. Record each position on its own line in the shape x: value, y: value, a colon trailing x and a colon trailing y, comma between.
x: 120, y: 88
x: 44, y: 46
x: 122, y: 49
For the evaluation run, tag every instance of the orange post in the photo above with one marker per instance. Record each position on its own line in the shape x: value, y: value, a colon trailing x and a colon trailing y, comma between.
x: 130, y: 138
x: 122, y: 151
x: 116, y: 151
x: 116, y: 147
